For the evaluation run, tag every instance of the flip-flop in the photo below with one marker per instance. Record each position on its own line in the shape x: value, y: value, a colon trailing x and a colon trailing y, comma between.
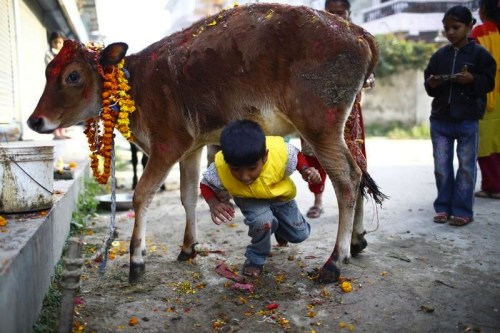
x: 440, y: 217
x: 314, y: 212
x: 484, y: 194
x: 458, y: 221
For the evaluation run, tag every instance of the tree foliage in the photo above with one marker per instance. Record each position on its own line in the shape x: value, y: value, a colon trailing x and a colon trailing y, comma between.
x: 397, y: 54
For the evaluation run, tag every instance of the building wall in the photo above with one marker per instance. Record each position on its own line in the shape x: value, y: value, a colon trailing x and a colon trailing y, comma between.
x: 32, y: 45
x: 399, y: 98
x: 23, y: 46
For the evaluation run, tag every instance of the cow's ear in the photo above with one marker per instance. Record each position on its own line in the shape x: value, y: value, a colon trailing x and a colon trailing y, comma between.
x: 113, y: 54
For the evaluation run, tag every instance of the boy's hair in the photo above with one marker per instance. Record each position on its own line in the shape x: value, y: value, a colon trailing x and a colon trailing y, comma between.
x: 243, y: 143
x: 461, y: 14
x: 54, y: 35
x: 345, y: 2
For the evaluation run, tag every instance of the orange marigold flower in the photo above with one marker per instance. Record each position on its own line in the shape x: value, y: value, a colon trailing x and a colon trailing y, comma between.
x: 99, y: 131
x: 3, y: 221
x: 346, y: 286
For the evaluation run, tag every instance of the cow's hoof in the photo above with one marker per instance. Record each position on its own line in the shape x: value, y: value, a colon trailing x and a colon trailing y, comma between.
x: 359, y: 246
x: 136, y: 272
x: 183, y: 256
x: 329, y: 274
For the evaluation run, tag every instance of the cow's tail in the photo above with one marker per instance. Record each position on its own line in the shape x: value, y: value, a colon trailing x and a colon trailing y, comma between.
x: 368, y: 186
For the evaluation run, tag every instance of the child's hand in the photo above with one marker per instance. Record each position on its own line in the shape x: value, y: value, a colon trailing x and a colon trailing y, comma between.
x: 311, y: 175
x: 464, y: 77
x: 370, y: 82
x: 435, y: 81
x: 221, y: 212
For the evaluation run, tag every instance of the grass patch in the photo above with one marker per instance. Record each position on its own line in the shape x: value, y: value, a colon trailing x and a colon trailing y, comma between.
x: 48, y: 320
x: 87, y: 206
x: 49, y: 316
x: 396, y: 130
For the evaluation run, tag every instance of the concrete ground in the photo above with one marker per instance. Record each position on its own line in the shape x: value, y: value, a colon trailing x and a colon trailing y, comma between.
x: 414, y: 276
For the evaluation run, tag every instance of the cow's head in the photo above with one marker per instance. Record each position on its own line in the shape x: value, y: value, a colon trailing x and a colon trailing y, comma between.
x: 73, y: 89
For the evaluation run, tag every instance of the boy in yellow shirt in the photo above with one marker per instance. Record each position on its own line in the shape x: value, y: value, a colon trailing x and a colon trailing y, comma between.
x: 256, y: 170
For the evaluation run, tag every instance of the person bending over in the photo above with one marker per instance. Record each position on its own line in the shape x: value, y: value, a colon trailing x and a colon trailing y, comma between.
x: 255, y: 169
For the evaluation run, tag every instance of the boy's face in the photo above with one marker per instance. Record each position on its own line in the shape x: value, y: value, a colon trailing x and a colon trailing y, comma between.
x: 339, y: 9
x: 456, y: 32
x: 57, y: 43
x: 248, y: 174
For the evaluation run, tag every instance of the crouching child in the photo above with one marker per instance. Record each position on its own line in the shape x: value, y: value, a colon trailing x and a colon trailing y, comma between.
x: 255, y: 170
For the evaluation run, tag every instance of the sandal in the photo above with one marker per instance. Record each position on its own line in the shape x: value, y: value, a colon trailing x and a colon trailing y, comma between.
x: 460, y: 221
x: 440, y: 217
x: 252, y: 270
x: 484, y: 194
x: 314, y: 212
x: 281, y: 241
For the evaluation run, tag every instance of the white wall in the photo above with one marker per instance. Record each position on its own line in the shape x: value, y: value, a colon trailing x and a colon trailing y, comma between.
x: 400, y: 98
x: 32, y: 45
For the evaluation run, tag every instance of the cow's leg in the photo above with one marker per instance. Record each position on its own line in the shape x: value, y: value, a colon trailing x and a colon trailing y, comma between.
x: 190, y: 174
x: 331, y: 150
x: 156, y: 170
x: 358, y: 241
x: 346, y: 177
x: 135, y: 161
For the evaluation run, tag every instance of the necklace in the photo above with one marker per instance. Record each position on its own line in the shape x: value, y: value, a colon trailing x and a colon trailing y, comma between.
x: 117, y: 105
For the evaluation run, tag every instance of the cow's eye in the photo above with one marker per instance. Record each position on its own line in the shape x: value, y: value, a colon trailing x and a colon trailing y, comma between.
x: 73, y: 77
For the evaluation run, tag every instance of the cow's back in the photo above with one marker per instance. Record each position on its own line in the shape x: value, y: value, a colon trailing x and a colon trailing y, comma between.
x: 252, y: 58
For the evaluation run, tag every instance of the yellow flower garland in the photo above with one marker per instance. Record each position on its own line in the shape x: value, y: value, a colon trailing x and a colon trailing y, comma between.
x: 117, y: 105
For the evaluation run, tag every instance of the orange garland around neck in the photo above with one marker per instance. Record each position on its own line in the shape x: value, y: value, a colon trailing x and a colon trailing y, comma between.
x: 117, y: 105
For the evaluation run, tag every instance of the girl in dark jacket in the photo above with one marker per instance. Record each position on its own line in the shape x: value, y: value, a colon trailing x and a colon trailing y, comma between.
x: 458, y: 77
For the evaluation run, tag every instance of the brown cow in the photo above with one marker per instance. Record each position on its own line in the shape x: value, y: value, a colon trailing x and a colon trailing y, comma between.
x: 291, y: 69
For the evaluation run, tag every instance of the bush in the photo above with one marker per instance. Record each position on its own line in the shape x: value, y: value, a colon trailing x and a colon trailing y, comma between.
x: 396, y: 130
x: 397, y: 54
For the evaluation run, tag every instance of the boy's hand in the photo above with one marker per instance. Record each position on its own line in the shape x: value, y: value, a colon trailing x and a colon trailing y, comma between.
x: 464, y: 77
x: 221, y: 212
x: 435, y: 80
x: 370, y: 82
x: 311, y: 175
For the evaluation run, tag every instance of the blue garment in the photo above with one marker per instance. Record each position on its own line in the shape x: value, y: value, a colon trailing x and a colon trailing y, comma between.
x: 456, y: 110
x: 265, y: 217
x: 454, y: 101
x: 455, y: 193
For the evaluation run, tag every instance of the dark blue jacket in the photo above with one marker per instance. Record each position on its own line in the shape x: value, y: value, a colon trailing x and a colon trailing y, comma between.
x: 454, y: 101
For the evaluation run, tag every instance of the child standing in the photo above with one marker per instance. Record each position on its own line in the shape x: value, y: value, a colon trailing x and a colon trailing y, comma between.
x: 458, y: 77
x: 256, y: 170
x: 488, y: 35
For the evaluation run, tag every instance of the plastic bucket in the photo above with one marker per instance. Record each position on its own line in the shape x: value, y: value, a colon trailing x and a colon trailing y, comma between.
x: 26, y: 176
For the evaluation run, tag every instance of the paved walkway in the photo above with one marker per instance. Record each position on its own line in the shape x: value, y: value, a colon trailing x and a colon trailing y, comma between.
x: 414, y: 276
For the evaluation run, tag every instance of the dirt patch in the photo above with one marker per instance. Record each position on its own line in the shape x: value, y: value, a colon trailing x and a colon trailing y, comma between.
x: 403, y: 282
x: 414, y: 276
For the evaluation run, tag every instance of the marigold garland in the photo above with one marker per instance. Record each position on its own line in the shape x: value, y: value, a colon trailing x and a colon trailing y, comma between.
x: 117, y: 105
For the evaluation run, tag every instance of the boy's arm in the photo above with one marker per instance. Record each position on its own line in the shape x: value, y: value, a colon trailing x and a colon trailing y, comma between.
x: 484, y: 79
x: 309, y: 174
x: 432, y: 82
x: 297, y: 161
x: 301, y: 162
x: 210, y: 184
x: 221, y: 212
x: 207, y: 192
